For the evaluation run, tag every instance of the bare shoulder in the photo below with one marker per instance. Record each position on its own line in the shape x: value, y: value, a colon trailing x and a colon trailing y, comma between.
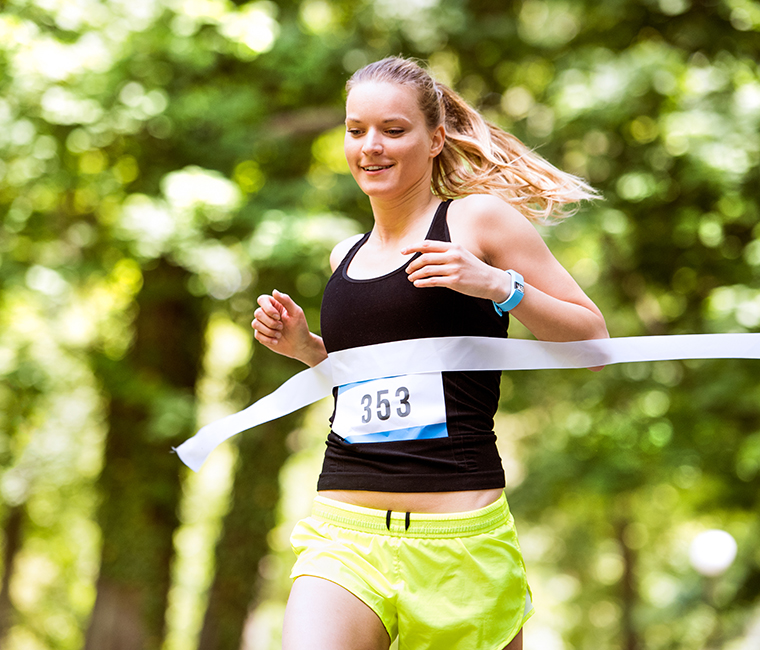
x: 341, y: 249
x: 487, y: 211
x: 488, y: 223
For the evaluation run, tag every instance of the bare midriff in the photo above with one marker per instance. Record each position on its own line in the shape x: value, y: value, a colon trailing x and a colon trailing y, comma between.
x: 462, y: 501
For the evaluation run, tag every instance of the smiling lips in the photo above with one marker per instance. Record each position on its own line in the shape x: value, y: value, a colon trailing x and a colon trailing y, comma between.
x: 375, y: 168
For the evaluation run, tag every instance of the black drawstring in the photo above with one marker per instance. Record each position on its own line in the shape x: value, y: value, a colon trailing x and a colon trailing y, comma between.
x: 407, y: 522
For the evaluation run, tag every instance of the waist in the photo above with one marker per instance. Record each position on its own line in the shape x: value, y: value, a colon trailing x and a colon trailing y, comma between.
x: 413, y: 524
x: 422, y: 502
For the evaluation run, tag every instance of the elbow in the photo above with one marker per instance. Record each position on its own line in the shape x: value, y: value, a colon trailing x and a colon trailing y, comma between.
x: 600, y: 332
x: 596, y: 325
x: 598, y: 328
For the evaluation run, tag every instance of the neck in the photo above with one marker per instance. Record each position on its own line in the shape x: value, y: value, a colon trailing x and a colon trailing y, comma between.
x: 394, y: 218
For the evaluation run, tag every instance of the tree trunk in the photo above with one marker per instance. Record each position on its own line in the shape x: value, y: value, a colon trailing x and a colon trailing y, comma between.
x: 628, y: 595
x: 12, y: 529
x: 151, y: 410
x: 244, y: 540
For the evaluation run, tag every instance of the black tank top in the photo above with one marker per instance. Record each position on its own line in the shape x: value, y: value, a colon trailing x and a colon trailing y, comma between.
x: 458, y: 454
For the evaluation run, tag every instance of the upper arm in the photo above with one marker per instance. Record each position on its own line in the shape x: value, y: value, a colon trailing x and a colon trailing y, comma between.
x: 341, y: 250
x: 503, y: 237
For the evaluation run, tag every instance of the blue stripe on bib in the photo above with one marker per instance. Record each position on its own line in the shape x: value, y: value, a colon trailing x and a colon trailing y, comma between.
x: 426, y: 432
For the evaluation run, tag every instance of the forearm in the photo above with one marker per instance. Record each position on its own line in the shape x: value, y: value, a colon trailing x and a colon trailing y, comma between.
x: 552, y: 319
x: 313, y: 353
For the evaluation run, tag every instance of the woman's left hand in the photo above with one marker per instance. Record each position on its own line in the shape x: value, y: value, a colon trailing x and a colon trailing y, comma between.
x: 446, y: 264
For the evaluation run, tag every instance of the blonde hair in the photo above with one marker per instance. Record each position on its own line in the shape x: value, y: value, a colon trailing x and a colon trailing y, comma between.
x: 477, y: 156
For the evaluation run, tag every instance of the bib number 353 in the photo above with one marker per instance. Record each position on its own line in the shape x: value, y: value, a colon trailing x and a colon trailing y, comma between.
x: 382, y: 408
x: 387, y: 405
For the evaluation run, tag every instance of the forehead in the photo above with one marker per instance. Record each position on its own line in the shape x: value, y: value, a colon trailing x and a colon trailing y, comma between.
x: 384, y: 100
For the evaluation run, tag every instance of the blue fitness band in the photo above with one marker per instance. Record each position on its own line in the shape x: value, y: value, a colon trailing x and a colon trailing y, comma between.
x: 516, y: 293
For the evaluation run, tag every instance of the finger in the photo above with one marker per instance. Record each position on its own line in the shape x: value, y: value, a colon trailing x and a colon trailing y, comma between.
x: 427, y: 259
x: 265, y: 340
x: 260, y: 316
x: 428, y: 245
x: 267, y: 330
x: 287, y: 302
x: 431, y: 270
x: 270, y: 306
x: 433, y: 281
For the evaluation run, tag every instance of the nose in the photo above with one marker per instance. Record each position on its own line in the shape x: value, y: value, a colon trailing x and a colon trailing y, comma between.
x: 372, y: 144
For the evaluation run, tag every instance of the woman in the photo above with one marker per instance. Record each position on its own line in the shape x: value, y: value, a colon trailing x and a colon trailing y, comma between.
x: 410, y: 533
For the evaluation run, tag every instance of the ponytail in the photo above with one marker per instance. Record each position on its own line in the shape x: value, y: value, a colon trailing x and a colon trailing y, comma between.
x: 479, y: 157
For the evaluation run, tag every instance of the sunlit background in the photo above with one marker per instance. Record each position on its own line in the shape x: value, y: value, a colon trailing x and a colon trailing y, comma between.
x: 165, y: 161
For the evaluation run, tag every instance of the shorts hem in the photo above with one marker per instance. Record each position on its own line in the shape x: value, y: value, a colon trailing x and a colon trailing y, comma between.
x: 353, y: 591
x: 503, y: 644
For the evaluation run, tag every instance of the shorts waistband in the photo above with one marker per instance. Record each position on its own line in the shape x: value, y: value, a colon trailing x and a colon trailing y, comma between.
x: 429, y: 525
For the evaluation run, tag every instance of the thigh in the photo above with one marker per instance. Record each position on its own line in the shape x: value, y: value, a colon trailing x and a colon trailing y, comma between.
x: 322, y: 615
x: 516, y: 643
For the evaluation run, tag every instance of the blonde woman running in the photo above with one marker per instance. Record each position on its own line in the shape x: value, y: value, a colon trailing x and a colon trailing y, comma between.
x: 410, y: 533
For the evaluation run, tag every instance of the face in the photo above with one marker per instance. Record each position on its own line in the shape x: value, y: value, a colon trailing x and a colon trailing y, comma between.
x: 388, y: 145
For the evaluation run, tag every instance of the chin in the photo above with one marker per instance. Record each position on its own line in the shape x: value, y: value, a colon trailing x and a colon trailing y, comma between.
x: 376, y: 189
x: 381, y: 192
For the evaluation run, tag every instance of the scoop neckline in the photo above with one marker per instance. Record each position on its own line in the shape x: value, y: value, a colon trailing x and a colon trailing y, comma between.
x: 363, y: 240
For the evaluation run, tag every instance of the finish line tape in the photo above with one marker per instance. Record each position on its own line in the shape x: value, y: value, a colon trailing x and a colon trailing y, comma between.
x: 448, y: 354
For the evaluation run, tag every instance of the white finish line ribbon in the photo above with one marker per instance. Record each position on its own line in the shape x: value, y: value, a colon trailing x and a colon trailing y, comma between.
x: 447, y: 354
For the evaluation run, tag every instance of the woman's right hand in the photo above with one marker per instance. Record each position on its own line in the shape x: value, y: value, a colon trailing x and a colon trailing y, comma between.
x: 280, y: 325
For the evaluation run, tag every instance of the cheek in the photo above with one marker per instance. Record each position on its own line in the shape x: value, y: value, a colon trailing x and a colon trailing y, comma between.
x: 352, y: 154
x: 416, y: 153
x: 349, y: 148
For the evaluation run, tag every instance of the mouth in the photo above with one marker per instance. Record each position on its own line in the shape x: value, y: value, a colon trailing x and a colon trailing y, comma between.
x: 375, y: 168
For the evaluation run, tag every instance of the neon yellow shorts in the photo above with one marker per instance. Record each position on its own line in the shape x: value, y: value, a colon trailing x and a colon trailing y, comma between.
x: 454, y: 581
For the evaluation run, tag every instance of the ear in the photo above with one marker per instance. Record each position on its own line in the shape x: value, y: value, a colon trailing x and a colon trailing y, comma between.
x: 437, y: 140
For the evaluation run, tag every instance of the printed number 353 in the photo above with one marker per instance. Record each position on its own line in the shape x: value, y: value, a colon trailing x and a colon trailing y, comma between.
x: 383, y: 406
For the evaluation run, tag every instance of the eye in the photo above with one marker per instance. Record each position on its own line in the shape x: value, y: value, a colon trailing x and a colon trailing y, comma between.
x: 395, y: 132
x: 353, y: 131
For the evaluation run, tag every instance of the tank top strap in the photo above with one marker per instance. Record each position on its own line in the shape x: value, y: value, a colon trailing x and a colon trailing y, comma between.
x: 351, y: 252
x: 439, y: 229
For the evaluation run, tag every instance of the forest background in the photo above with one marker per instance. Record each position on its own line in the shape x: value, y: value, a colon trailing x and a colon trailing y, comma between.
x: 165, y: 161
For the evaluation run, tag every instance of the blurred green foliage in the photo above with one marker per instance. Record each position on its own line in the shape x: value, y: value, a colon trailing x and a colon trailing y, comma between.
x: 204, y: 136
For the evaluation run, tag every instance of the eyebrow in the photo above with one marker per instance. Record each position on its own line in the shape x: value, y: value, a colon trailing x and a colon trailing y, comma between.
x: 387, y: 121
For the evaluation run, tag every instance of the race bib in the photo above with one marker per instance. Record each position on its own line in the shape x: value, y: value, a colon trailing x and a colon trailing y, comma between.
x: 407, y: 407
